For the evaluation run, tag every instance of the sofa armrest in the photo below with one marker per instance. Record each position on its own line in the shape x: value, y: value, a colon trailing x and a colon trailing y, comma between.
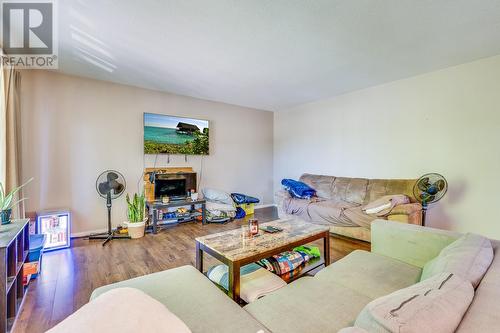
x: 279, y: 199
x: 407, y: 209
x: 411, y: 213
x: 413, y: 244
x: 280, y: 195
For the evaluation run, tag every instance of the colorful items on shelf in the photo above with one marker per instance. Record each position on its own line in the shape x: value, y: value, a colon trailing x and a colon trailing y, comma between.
x: 181, y: 212
x: 166, y: 215
x: 289, y: 261
x: 311, y: 251
x: 199, y: 217
x: 284, y: 262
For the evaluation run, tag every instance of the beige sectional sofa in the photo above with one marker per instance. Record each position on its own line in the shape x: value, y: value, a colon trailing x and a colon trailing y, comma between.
x: 341, y: 199
x: 333, y: 298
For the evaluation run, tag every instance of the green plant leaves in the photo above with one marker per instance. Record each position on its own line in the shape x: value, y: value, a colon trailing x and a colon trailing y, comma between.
x: 136, y: 207
x: 7, y: 200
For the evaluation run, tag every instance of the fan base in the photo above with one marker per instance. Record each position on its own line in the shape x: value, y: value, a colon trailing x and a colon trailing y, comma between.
x: 107, y: 237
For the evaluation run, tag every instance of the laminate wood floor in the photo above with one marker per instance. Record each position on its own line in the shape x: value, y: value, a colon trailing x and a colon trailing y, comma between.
x: 69, y: 276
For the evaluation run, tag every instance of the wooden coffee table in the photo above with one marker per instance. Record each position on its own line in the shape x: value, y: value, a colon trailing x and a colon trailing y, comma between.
x: 232, y: 249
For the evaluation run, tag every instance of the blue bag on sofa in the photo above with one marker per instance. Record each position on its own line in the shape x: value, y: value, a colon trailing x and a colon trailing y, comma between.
x: 298, y: 189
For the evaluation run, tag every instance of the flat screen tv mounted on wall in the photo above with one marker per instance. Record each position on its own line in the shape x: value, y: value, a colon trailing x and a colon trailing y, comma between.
x: 175, y: 135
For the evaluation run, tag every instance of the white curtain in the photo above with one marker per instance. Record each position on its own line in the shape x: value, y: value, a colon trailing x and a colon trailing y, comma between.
x: 3, y: 128
x: 10, y: 132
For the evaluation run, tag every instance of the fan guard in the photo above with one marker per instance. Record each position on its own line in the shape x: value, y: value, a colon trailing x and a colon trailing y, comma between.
x: 110, y: 181
x: 428, y: 189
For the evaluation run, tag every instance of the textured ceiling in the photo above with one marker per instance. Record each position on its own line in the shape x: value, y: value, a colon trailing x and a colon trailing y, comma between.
x: 271, y: 54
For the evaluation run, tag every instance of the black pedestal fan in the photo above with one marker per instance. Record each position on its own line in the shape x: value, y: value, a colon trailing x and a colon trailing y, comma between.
x: 110, y: 185
x: 428, y: 189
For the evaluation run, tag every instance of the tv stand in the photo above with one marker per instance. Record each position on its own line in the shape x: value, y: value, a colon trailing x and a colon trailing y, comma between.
x: 154, y: 206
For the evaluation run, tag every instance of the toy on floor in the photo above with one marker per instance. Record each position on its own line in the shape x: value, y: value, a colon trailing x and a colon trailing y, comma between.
x: 222, y: 206
x: 245, y: 202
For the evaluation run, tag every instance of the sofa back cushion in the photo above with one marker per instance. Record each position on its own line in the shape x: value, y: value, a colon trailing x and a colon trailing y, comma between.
x: 468, y: 257
x: 433, y: 305
x: 357, y: 190
x: 350, y: 189
x: 322, y: 184
x: 378, y: 188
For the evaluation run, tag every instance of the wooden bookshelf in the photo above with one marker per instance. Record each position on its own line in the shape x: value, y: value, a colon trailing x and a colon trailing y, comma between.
x: 14, y: 246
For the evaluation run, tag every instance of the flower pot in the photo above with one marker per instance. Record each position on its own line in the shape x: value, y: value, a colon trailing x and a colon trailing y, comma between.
x: 5, y: 216
x: 136, y: 229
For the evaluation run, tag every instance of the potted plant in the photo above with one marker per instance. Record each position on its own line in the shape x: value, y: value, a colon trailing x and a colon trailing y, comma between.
x: 7, y: 202
x: 135, y: 212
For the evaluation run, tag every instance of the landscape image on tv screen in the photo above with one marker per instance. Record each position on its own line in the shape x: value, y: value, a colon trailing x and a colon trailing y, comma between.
x: 175, y: 135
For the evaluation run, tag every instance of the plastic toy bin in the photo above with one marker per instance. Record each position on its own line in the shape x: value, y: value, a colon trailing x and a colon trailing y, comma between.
x: 248, y: 208
x: 35, y: 252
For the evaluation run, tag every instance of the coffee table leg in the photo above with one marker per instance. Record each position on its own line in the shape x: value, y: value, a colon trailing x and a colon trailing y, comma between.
x: 203, y: 214
x: 326, y: 248
x: 155, y: 221
x: 234, y: 282
x: 199, y: 257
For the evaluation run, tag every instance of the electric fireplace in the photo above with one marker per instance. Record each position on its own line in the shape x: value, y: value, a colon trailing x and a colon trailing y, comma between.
x: 175, y: 186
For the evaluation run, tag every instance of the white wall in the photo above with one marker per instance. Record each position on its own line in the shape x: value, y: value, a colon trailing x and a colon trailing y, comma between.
x: 446, y: 121
x: 75, y: 128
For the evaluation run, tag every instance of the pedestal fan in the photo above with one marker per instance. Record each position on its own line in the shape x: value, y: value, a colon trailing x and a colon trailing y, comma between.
x: 429, y: 188
x: 110, y: 185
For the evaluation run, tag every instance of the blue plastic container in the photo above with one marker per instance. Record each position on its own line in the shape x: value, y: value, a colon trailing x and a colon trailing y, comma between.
x: 35, y: 252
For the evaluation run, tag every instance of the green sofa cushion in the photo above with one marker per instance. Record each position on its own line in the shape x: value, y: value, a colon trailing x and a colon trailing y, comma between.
x: 370, y: 274
x: 308, y: 306
x: 334, y: 297
x: 194, y: 299
x: 410, y: 243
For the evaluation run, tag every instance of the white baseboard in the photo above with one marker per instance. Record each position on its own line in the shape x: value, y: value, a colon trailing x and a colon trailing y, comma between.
x: 87, y: 233
x: 265, y: 206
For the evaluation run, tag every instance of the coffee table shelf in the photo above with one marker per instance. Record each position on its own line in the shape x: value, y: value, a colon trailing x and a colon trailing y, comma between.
x: 234, y: 250
x: 303, y: 270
